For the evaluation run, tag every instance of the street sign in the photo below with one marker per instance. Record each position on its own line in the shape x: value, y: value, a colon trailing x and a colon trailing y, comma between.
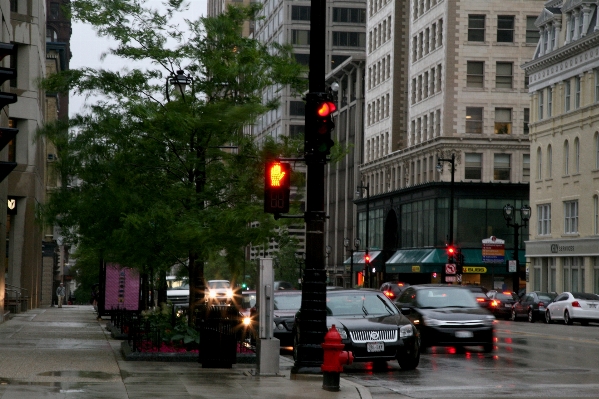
x: 450, y: 268
x: 493, y: 250
x: 450, y: 279
x: 512, y: 266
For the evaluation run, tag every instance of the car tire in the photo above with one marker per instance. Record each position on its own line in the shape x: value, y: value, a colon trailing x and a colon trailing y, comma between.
x: 531, y: 316
x: 567, y: 318
x: 513, y: 318
x: 548, y: 317
x: 295, y: 344
x: 488, y: 348
x: 584, y: 323
x: 411, y: 362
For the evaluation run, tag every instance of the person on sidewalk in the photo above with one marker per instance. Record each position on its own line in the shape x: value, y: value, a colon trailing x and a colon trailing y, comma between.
x: 60, y: 293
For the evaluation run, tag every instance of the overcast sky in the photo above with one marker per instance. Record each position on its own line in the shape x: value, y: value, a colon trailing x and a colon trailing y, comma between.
x: 87, y: 48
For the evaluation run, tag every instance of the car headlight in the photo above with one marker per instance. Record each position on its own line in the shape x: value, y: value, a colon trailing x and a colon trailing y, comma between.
x: 342, y: 332
x: 229, y: 293
x: 489, y: 320
x: 247, y: 321
x: 429, y: 321
x: 406, y: 331
x: 280, y: 326
x: 211, y: 294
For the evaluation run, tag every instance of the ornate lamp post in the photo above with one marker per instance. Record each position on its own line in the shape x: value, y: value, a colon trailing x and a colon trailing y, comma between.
x: 351, y: 251
x: 300, y: 258
x: 451, y: 195
x: 180, y: 80
x: 367, y: 274
x: 508, y: 215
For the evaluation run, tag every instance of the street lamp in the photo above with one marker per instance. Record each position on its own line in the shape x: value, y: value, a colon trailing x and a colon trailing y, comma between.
x: 351, y: 251
x: 300, y: 258
x: 440, y: 170
x: 508, y: 215
x: 367, y: 280
x: 180, y: 80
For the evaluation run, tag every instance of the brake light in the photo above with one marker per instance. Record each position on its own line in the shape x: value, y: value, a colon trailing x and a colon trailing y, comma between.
x: 389, y: 294
x: 495, y: 303
x: 480, y: 299
x: 507, y: 293
x: 541, y: 303
x: 576, y: 304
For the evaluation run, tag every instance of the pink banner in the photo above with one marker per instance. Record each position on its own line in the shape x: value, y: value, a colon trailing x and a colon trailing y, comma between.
x: 122, y: 288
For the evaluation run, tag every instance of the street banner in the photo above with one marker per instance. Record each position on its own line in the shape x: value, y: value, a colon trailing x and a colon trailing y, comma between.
x: 493, y: 250
x: 122, y: 288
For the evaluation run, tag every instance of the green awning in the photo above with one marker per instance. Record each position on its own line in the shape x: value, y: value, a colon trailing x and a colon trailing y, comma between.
x: 427, y: 260
x: 358, y: 261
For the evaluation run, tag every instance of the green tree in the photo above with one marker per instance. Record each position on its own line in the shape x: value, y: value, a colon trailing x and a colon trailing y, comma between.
x: 150, y: 178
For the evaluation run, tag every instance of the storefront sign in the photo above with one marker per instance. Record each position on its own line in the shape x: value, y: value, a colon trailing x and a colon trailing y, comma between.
x: 415, y: 269
x: 474, y: 269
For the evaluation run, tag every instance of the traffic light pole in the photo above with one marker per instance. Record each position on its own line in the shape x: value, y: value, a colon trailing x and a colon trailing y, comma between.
x: 312, y: 323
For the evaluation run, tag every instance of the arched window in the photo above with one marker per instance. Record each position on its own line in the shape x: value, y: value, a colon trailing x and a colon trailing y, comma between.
x: 549, y: 162
x: 596, y: 214
x: 566, y: 157
x: 576, y: 155
x: 51, y: 35
x: 596, y: 150
x: 539, y: 164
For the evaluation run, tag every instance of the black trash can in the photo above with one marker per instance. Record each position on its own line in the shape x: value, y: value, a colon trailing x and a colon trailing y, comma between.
x: 218, y: 326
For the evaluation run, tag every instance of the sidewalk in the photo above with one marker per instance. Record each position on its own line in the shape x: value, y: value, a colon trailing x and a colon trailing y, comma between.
x: 66, y: 353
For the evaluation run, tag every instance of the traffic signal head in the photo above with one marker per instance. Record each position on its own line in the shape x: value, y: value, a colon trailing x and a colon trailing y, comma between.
x: 277, y: 187
x: 367, y: 259
x: 451, y: 251
x: 319, y: 125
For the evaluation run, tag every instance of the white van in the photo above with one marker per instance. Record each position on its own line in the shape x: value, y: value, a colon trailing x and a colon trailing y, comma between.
x: 177, y: 290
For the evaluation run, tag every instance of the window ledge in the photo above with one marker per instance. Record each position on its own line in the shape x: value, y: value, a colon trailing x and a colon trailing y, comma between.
x: 570, y: 235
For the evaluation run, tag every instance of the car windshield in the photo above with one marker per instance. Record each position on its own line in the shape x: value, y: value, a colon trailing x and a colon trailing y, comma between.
x: 218, y: 284
x: 505, y: 297
x: 288, y: 302
x: 445, y: 298
x: 248, y: 301
x: 359, y: 304
x: 176, y: 285
x: 544, y: 296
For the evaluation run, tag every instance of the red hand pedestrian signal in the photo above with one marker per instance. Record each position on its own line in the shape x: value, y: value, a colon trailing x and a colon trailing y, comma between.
x: 276, y: 175
x: 277, y: 187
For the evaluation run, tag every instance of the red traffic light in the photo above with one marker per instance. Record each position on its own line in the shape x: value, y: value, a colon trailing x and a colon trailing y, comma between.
x: 450, y: 250
x: 367, y: 259
x: 326, y: 108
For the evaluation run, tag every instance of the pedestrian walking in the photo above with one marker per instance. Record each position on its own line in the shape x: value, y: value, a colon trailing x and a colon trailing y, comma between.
x: 60, y: 293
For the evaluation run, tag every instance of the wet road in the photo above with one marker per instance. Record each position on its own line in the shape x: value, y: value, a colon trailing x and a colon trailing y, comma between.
x: 530, y: 360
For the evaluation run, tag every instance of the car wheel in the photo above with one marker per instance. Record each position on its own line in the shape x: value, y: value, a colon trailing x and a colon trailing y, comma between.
x: 295, y: 344
x: 548, y: 317
x: 410, y: 362
x: 584, y: 323
x: 513, y: 318
x: 488, y: 348
x: 567, y: 319
x: 531, y: 316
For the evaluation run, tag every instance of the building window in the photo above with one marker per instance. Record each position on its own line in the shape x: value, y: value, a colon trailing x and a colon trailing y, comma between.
x: 297, y: 108
x: 301, y: 13
x: 474, y: 167
x: 549, y: 162
x: 544, y: 219
x: 567, y: 95
x: 539, y: 164
x: 595, y: 214
x: 525, y: 168
x: 504, y: 75
x: 549, y: 101
x: 296, y: 131
x: 303, y: 59
x: 596, y: 85
x: 596, y: 150
x: 54, y: 10
x: 300, y: 37
x: 12, y: 145
x: 501, y: 167
x: 476, y: 28
x: 526, y: 128
x: 475, y: 74
x: 51, y: 35
x: 14, y: 59
x: 577, y: 92
x: 349, y: 39
x: 576, y: 155
x: 14, y: 5
x: 505, y: 29
x: 541, y: 103
x: 474, y: 120
x: 350, y: 15
x: 566, y: 158
x: 503, y: 121
x: 532, y: 32
x: 570, y: 217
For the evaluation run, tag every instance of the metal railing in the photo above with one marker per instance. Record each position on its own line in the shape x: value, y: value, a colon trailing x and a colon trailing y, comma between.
x: 15, y: 301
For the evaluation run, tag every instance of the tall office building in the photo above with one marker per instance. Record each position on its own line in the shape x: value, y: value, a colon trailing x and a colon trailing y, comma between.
x: 564, y: 194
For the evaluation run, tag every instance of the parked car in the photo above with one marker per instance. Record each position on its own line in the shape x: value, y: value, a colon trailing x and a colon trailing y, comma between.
x: 447, y: 315
x: 218, y: 292
x: 532, y: 306
x: 480, y: 294
x: 392, y: 289
x: 501, y: 303
x: 177, y: 291
x: 282, y: 285
x: 286, y: 305
x: 370, y: 326
x: 573, y: 306
x: 248, y: 322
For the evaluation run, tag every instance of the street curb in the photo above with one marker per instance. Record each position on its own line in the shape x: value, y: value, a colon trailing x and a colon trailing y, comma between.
x: 362, y: 390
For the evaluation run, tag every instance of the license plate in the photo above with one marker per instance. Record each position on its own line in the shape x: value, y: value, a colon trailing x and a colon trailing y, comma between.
x: 592, y: 305
x: 464, y: 334
x: 507, y: 305
x: 375, y: 346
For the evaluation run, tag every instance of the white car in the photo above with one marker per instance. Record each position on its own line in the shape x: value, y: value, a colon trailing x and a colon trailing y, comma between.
x: 573, y: 306
x: 219, y: 291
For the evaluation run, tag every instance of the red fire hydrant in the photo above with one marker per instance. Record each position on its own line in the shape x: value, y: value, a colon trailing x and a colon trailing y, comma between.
x: 334, y: 357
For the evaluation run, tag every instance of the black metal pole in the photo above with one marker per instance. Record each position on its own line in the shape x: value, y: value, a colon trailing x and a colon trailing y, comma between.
x: 516, y: 277
x: 312, y: 323
x: 451, y: 199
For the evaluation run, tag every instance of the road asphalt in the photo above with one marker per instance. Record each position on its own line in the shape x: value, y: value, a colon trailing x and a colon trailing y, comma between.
x: 67, y: 353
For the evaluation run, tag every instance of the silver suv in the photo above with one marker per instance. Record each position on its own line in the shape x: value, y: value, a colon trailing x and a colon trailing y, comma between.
x: 218, y: 292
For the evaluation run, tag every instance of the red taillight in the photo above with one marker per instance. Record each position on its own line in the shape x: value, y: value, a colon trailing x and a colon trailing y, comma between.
x: 541, y: 304
x: 480, y: 299
x: 495, y: 303
x: 390, y: 294
x: 576, y: 304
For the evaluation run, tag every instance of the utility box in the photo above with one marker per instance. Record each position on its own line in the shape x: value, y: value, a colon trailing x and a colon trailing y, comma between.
x: 267, y: 348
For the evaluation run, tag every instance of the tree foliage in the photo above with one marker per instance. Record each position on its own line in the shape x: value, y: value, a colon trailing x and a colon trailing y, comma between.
x: 154, y: 176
